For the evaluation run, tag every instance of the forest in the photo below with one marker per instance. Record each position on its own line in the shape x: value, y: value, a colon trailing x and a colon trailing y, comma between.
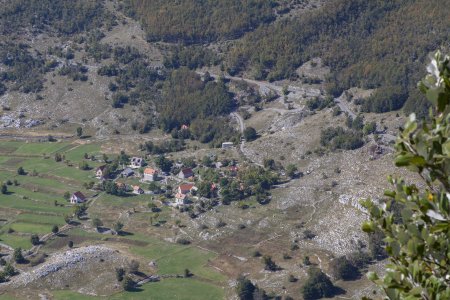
x: 370, y: 44
x: 64, y: 16
x: 200, y: 21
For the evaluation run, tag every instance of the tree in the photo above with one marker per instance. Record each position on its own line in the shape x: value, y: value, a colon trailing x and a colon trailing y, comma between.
x: 269, y: 264
x: 187, y: 273
x: 34, y: 239
x: 128, y: 283
x: 134, y: 266
x: 341, y: 268
x: 417, y: 243
x: 17, y: 256
x: 118, y: 227
x: 4, y: 189
x: 21, y: 171
x: 67, y: 196
x: 317, y: 285
x: 96, y: 222
x: 163, y: 163
x: 244, y: 288
x: 55, y: 229
x: 67, y: 219
x: 120, y: 273
x: 9, y: 270
x: 250, y: 133
x: 291, y: 170
x: 70, y: 244
x: 79, y: 132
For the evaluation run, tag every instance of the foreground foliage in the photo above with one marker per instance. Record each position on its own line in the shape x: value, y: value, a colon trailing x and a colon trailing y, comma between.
x: 415, y: 220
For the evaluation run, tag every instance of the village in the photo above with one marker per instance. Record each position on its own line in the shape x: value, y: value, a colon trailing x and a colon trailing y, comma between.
x: 184, y: 184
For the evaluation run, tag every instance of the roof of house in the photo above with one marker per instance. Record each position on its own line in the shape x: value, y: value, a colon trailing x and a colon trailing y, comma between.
x: 187, y: 171
x: 136, y: 188
x: 150, y: 171
x: 186, y: 187
x: 127, y: 171
x: 79, y: 195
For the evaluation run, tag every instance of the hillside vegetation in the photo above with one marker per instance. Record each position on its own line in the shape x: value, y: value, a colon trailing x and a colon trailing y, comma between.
x: 370, y: 44
x: 200, y: 21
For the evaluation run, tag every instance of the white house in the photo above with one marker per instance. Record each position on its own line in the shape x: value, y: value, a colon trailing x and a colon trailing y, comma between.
x: 99, y: 172
x: 150, y: 174
x: 136, y: 162
x: 227, y: 145
x: 137, y: 190
x: 77, y: 197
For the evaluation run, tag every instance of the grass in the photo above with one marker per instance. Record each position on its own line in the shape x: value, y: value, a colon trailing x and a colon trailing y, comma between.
x: 167, y: 289
x: 41, y: 219
x: 76, y: 154
x: 31, y: 228
x: 40, y: 148
x: 174, y: 259
x: 15, y: 241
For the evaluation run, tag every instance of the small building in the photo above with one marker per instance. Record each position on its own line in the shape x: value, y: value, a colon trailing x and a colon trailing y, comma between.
x: 150, y: 174
x: 128, y: 172
x: 136, y: 162
x: 180, y: 199
x: 77, y: 197
x: 186, y: 173
x: 227, y: 145
x: 137, y: 190
x: 184, y: 127
x: 100, y: 172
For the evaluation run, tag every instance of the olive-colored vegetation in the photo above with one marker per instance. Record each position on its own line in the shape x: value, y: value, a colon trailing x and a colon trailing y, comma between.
x: 200, y: 21
x: 371, y: 44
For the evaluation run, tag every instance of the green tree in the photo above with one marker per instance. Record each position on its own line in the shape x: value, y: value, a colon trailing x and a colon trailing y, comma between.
x: 4, y: 189
x: 128, y: 283
x: 21, y: 171
x: 55, y: 229
x: 79, y: 132
x: 291, y: 170
x: 9, y: 270
x: 417, y: 231
x: 317, y: 285
x: 245, y: 288
x: 118, y: 227
x: 250, y: 134
x: 163, y: 163
x: 34, y: 239
x: 17, y: 256
x: 120, y: 273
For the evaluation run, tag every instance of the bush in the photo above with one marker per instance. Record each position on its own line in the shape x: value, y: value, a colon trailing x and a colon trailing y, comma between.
x: 183, y: 241
x: 34, y: 239
x: 317, y: 285
x: 250, y: 134
x: 341, y: 268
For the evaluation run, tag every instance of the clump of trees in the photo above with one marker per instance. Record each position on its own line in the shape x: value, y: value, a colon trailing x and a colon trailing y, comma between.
x: 205, y: 23
x: 317, y: 286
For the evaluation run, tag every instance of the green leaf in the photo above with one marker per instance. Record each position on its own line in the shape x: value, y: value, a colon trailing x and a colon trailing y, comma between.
x: 368, y: 227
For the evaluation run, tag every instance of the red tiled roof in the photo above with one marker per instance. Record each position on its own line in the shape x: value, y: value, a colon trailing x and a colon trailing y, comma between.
x: 150, y: 171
